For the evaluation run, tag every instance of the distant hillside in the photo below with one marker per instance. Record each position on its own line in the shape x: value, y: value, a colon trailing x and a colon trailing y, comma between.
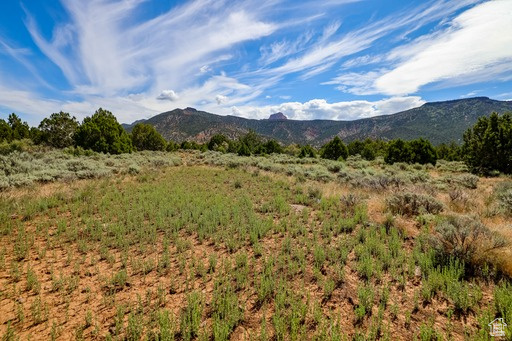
x: 437, y: 121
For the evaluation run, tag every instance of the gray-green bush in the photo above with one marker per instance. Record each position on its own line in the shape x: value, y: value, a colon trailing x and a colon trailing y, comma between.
x: 412, y: 204
x: 465, y: 238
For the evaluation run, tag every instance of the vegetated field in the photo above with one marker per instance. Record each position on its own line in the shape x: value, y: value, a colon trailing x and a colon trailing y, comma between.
x: 215, y: 246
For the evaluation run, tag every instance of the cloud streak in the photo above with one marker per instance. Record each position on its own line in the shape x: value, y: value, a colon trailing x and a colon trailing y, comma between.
x: 103, y: 51
x: 467, y: 51
x: 326, y: 52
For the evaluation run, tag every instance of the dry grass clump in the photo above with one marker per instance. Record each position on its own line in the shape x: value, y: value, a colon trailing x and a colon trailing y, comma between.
x: 465, y: 238
x: 412, y: 204
x: 377, y: 182
x: 506, y: 201
x: 452, y: 166
x: 499, y: 202
x: 504, y: 196
x: 458, y: 196
x: 461, y: 200
x: 465, y: 180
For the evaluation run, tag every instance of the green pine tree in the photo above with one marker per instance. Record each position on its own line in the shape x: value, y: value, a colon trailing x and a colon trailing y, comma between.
x: 334, y: 150
x: 102, y: 133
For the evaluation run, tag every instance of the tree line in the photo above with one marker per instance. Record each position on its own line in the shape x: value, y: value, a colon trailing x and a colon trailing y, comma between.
x: 486, y: 148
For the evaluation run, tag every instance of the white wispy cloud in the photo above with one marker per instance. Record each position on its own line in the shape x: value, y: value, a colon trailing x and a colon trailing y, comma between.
x: 205, y: 69
x: 468, y: 50
x: 103, y: 51
x: 356, y: 83
x: 330, y: 49
x: 284, y: 48
x: 506, y: 96
x: 17, y: 53
x: 470, y: 94
x: 26, y: 102
x: 23, y: 57
x: 362, y: 61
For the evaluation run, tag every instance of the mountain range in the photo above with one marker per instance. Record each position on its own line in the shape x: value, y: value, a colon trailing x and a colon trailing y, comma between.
x: 436, y: 121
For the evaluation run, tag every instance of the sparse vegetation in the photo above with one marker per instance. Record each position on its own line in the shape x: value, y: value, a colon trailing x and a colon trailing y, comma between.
x: 211, y: 245
x: 412, y: 204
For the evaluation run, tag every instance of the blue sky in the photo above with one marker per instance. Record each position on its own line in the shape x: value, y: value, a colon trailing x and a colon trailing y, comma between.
x: 332, y: 59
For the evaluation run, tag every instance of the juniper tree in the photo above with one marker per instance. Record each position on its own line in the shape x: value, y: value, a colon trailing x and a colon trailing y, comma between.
x: 334, y: 149
x: 102, y: 133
